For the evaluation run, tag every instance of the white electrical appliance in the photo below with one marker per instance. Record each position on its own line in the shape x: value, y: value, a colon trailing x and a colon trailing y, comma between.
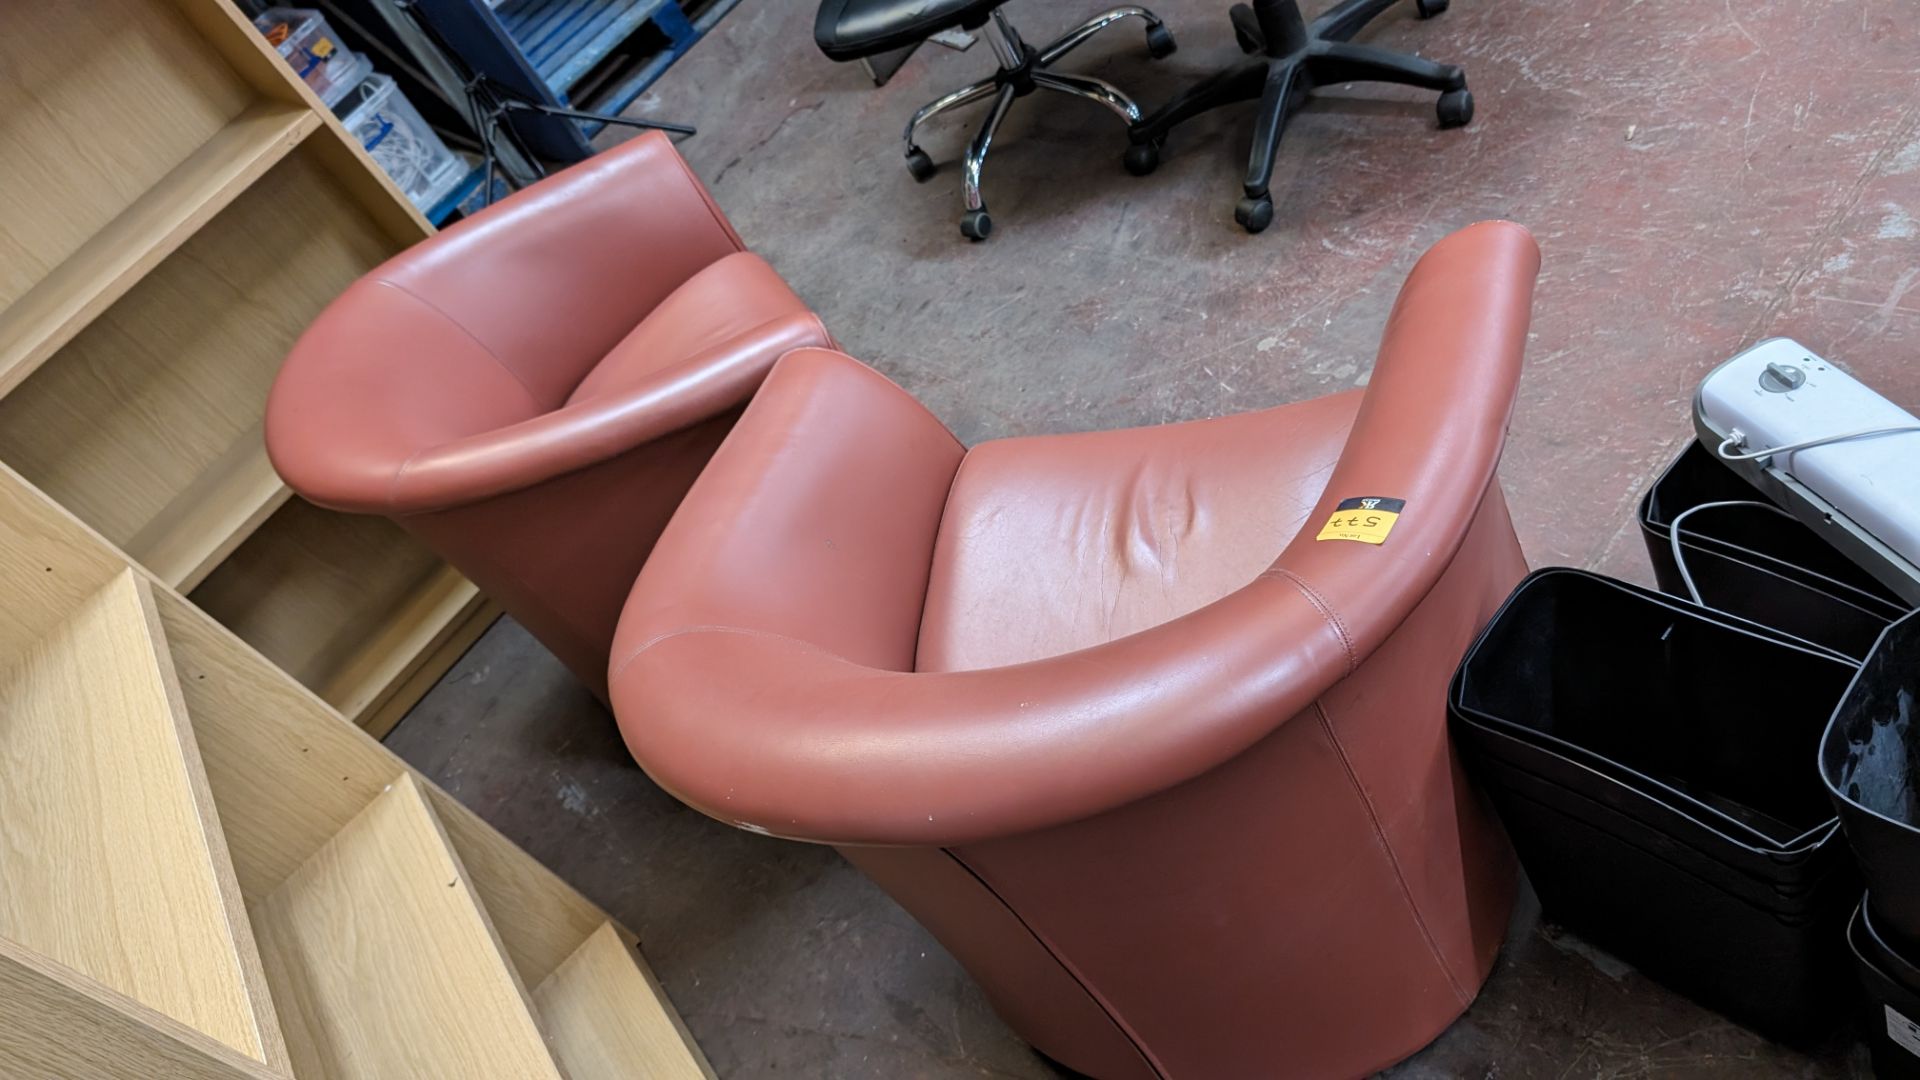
x: 1855, y: 478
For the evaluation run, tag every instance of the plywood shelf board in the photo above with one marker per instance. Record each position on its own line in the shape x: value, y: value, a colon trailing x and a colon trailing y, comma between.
x: 541, y: 919
x: 609, y: 1020
x: 159, y: 220
x: 408, y: 638
x: 213, y: 515
x: 114, y: 864
x: 289, y: 785
x: 383, y: 714
x: 132, y: 71
x: 56, y: 1022
x: 159, y: 387
x: 349, y: 604
x: 384, y: 963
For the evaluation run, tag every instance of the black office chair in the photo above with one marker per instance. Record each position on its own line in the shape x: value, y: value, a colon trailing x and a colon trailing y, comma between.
x: 1296, y: 57
x: 854, y: 29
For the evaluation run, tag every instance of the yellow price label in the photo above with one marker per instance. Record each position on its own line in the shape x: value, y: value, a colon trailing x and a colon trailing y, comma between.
x: 1367, y: 520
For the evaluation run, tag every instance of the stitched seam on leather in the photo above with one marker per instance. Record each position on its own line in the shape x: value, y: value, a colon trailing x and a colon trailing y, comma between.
x: 393, y: 485
x: 1325, y: 609
x: 715, y: 628
x: 1393, y: 860
x: 1106, y: 1009
x: 532, y: 398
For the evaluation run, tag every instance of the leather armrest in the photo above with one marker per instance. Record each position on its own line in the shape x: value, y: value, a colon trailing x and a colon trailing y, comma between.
x: 779, y: 736
x: 1429, y: 431
x: 589, y: 432
x: 783, y: 736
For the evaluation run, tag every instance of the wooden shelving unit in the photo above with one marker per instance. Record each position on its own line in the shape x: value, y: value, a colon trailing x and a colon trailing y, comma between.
x: 210, y: 874
x: 175, y: 207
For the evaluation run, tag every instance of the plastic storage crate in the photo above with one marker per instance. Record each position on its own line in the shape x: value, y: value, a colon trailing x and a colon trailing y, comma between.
x: 1870, y: 763
x: 306, y: 42
x: 1890, y: 1019
x: 393, y: 131
x: 1759, y: 563
x: 1652, y: 762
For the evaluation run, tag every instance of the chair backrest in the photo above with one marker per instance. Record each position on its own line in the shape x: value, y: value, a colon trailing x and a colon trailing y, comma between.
x: 489, y: 323
x: 815, y: 521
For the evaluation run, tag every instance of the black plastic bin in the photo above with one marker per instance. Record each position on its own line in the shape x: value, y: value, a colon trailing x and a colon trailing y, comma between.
x: 1757, y: 563
x: 1870, y: 762
x: 1650, y: 759
x: 1890, y: 1016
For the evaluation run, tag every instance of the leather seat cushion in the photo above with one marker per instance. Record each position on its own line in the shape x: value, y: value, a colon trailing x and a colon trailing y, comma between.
x: 737, y: 299
x: 851, y: 29
x: 1056, y: 543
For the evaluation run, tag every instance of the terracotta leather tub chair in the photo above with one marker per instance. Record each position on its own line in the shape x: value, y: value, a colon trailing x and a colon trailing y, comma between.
x: 1170, y: 776
x: 532, y: 390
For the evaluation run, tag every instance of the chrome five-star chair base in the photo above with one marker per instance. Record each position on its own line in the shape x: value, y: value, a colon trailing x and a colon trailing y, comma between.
x: 1024, y: 69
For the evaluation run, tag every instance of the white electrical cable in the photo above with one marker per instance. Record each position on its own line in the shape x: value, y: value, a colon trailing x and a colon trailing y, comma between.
x: 1680, y: 559
x: 1739, y: 439
x: 1693, y: 591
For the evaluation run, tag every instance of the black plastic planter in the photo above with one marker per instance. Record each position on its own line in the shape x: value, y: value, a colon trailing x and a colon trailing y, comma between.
x: 1870, y: 761
x: 1650, y: 760
x: 1759, y: 564
x: 1890, y: 1019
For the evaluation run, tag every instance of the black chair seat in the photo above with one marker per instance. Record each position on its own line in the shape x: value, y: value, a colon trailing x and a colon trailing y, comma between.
x: 851, y: 29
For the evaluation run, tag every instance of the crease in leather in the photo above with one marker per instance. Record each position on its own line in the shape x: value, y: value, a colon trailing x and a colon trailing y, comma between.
x: 1386, y: 848
x: 939, y: 537
x: 826, y: 334
x: 1107, y: 1007
x: 933, y: 559
x: 1325, y: 609
x: 520, y: 380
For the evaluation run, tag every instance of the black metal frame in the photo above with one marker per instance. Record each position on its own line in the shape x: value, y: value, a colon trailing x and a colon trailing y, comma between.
x: 1296, y: 57
x: 489, y: 101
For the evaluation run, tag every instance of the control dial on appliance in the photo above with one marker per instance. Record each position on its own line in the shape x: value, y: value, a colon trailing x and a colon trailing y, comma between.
x: 1780, y: 378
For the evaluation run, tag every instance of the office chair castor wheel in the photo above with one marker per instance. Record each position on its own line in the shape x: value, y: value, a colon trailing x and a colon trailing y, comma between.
x: 1427, y: 9
x: 1246, y: 29
x: 1142, y: 158
x: 1254, y: 214
x: 976, y: 225
x: 1160, y: 43
x: 1455, y: 108
x: 920, y: 165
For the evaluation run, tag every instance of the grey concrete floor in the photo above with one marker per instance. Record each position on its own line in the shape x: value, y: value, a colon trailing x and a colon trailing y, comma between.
x: 1700, y: 175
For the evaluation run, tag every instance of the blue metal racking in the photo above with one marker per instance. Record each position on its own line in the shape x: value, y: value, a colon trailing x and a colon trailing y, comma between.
x: 544, y: 48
